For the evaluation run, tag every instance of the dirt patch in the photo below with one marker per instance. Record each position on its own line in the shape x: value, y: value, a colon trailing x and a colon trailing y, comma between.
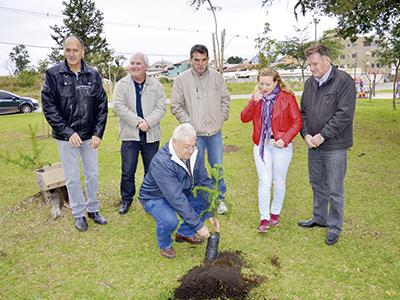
x: 275, y: 261
x: 222, y: 279
x: 231, y: 148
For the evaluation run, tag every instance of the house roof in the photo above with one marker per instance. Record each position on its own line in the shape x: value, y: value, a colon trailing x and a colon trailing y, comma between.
x: 240, y: 67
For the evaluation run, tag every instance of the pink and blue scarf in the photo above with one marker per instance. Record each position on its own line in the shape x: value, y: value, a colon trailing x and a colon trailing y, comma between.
x: 268, y: 102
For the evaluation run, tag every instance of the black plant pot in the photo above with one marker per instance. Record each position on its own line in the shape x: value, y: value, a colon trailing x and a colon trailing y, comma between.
x: 212, y: 246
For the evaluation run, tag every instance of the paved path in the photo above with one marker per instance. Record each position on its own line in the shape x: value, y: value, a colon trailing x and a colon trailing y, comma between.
x: 298, y: 93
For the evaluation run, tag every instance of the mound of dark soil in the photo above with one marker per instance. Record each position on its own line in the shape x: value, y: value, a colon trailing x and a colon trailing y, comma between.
x: 221, y: 278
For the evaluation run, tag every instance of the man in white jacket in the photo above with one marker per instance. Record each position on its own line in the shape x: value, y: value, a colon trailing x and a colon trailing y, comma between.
x: 200, y: 97
x: 139, y: 102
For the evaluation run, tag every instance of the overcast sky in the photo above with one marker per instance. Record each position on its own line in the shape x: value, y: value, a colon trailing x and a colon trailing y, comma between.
x: 27, y: 22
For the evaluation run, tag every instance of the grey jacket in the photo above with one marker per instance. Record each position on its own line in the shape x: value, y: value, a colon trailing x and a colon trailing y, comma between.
x: 153, y: 105
x: 329, y: 110
x: 201, y: 100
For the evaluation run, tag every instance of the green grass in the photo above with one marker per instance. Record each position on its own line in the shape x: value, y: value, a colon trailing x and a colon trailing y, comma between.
x: 41, y: 258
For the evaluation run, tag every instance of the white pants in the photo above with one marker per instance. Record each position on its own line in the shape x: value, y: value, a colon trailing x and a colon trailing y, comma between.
x: 272, y: 170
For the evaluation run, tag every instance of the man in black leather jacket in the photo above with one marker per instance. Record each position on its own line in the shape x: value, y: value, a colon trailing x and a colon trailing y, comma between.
x: 75, y: 105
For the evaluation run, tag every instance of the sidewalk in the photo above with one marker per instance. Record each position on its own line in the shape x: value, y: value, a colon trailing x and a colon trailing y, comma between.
x: 298, y: 93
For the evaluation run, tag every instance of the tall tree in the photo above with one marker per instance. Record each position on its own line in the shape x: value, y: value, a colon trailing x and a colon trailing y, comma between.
x: 84, y: 20
x: 388, y: 54
x: 354, y: 16
x: 267, y: 47
x: 333, y: 42
x: 19, y: 58
x: 294, y: 47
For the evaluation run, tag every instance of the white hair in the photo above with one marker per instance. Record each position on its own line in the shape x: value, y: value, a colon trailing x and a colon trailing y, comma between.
x: 142, y: 56
x: 184, y: 130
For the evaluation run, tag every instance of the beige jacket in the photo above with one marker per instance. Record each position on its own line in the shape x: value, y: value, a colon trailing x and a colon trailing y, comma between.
x: 153, y: 105
x: 201, y: 100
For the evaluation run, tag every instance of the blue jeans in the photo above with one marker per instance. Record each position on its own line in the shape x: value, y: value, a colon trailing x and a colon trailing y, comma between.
x: 273, y: 169
x: 215, y: 149
x: 326, y: 170
x: 129, y: 160
x: 167, y: 220
x: 69, y: 157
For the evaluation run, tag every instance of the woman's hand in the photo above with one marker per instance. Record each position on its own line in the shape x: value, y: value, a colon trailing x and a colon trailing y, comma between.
x: 257, y: 97
x: 279, y: 143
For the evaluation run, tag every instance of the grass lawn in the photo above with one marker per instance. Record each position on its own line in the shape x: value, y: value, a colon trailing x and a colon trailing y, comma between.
x: 41, y: 258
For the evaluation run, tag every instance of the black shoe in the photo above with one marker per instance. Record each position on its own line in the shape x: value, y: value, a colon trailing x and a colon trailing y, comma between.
x: 309, y: 224
x: 331, y: 238
x: 99, y: 219
x: 81, y: 224
x: 124, y: 207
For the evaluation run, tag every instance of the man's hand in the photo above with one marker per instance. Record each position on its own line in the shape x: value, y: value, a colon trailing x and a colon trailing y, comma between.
x: 318, y: 139
x: 143, y: 126
x: 214, y: 221
x: 203, y: 232
x: 129, y: 69
x: 75, y: 140
x: 95, y: 142
x: 309, y: 140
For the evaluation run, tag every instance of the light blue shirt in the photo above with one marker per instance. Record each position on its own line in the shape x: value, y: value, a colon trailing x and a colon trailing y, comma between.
x: 324, y: 78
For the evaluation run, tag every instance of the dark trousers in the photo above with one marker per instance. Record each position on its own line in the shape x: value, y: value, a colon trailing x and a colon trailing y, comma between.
x: 129, y: 160
x: 326, y: 170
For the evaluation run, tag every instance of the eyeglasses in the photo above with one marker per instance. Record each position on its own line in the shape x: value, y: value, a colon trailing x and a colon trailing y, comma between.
x: 188, y: 148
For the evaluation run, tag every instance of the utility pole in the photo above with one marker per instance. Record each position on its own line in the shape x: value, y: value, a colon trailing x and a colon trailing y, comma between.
x: 316, y: 21
x: 221, y: 65
x: 215, y: 52
x: 109, y: 77
x: 355, y: 59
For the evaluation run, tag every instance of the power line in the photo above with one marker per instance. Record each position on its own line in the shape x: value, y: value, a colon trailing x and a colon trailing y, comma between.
x: 26, y: 45
x: 116, y: 52
x: 169, y: 28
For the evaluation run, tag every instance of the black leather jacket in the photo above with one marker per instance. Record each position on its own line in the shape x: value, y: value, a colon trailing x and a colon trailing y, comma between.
x: 74, y: 102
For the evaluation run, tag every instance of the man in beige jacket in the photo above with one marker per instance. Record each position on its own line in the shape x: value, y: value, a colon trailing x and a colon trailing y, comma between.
x: 200, y: 97
x: 139, y: 102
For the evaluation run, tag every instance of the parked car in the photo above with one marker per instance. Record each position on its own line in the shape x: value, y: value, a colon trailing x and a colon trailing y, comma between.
x: 11, y: 103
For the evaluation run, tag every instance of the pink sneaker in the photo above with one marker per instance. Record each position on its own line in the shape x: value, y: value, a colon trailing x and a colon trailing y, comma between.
x: 263, y: 227
x: 274, y: 220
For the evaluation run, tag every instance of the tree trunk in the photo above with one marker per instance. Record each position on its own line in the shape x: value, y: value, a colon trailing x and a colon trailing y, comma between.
x: 58, y: 198
x: 394, y: 85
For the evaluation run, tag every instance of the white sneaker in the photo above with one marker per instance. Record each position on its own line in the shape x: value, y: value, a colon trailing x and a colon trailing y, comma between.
x: 222, y: 208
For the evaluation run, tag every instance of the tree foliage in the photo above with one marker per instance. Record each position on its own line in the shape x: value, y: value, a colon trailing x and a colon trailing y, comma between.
x: 234, y: 60
x: 84, y: 20
x: 333, y: 42
x: 24, y: 159
x: 354, y: 16
x: 294, y: 47
x: 267, y: 47
x: 388, y: 54
x: 19, y: 58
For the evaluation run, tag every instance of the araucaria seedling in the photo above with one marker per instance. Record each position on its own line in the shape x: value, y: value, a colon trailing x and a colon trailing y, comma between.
x: 213, y: 199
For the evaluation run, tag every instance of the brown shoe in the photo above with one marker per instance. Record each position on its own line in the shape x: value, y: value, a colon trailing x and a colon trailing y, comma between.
x: 168, y: 253
x: 191, y: 240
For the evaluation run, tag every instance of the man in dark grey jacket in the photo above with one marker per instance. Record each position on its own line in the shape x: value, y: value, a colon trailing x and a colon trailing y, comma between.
x: 327, y: 108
